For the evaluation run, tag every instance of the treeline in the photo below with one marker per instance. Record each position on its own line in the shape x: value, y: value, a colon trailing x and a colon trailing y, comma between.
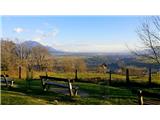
x: 15, y: 55
x: 38, y: 58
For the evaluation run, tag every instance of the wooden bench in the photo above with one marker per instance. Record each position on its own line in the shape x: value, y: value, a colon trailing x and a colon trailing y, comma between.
x: 48, y: 81
x: 154, y: 100
x: 6, y: 80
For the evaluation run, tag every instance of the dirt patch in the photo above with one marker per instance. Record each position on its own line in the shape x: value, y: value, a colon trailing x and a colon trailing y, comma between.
x: 66, y: 92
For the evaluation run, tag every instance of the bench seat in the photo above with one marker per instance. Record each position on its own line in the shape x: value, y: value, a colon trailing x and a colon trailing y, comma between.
x: 47, y: 81
x: 8, y: 81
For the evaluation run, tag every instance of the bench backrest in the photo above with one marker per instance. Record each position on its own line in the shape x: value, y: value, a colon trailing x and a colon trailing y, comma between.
x: 5, y: 79
x: 47, y: 78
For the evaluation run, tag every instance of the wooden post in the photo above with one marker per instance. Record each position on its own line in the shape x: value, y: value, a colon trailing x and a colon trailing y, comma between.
x: 44, y: 84
x: 27, y: 74
x: 140, y: 97
x: 20, y: 72
x: 28, y: 78
x: 70, y: 88
x: 149, y: 76
x: 76, y: 91
x: 110, y: 77
x: 5, y: 78
x: 12, y: 83
x: 46, y: 72
x: 31, y: 74
x: 127, y: 76
x: 76, y: 75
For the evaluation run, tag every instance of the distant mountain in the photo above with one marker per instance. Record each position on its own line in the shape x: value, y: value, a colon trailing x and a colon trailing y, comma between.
x: 51, y: 50
x: 31, y: 44
x: 57, y: 52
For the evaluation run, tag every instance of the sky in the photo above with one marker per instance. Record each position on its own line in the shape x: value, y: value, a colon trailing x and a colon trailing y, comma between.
x: 74, y: 33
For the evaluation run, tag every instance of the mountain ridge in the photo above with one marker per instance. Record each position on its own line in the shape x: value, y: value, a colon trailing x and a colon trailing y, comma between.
x: 54, y: 51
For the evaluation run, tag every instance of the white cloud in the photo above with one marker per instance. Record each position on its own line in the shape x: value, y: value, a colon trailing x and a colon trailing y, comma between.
x: 90, y: 47
x: 46, y: 38
x: 18, y: 30
x: 37, y: 38
x: 46, y: 24
x: 39, y: 31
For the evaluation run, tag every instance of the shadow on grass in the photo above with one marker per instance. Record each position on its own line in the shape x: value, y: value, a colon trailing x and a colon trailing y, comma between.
x: 117, y: 93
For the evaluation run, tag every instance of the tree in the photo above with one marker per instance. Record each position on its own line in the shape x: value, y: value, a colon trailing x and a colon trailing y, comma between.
x: 7, y: 56
x: 80, y: 65
x: 149, y: 34
x: 22, y: 51
x: 40, y: 57
x: 70, y: 64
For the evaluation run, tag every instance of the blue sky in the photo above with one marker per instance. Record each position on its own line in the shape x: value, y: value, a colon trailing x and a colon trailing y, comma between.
x: 75, y: 33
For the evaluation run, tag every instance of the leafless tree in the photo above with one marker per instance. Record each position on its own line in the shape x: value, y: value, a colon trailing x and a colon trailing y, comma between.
x: 149, y: 34
x: 22, y: 51
x: 40, y: 57
x: 7, y: 58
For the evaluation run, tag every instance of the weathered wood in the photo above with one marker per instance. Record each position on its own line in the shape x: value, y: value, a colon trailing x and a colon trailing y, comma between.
x: 127, y: 76
x: 5, y: 79
x: 76, y: 75
x: 110, y: 77
x: 76, y: 91
x: 149, y: 76
x: 47, y: 81
x: 140, y: 97
x: 55, y: 78
x: 70, y: 88
x: 29, y: 77
x: 57, y: 84
x: 20, y: 71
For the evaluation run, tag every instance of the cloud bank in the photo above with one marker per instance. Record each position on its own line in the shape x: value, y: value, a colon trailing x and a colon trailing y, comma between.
x: 18, y: 30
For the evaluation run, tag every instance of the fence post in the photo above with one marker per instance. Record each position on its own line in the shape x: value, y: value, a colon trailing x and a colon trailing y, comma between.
x: 19, y: 71
x: 110, y: 77
x: 149, y: 76
x: 46, y: 71
x: 29, y: 76
x: 127, y: 76
x: 140, y: 97
x: 76, y: 75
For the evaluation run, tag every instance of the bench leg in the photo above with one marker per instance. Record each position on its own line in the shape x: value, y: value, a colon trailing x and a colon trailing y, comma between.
x: 12, y: 83
x: 45, y: 87
x: 75, y: 92
x: 70, y: 88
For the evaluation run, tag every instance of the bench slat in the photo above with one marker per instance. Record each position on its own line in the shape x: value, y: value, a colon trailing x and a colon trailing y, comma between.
x: 56, y: 84
x: 5, y: 79
x: 60, y: 85
x: 46, y: 81
x: 55, y: 78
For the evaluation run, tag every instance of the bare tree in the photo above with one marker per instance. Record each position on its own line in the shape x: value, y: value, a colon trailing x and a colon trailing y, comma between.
x: 149, y: 34
x: 7, y: 58
x: 22, y: 52
x: 40, y: 57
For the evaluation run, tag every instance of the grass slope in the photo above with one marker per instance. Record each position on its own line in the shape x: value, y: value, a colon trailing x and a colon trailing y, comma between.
x: 97, y: 94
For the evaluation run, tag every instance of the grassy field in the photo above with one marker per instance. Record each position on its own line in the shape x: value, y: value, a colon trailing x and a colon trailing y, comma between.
x: 88, y: 75
x: 89, y: 94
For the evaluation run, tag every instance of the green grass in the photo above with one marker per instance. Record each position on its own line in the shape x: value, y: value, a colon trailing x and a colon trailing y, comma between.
x: 89, y: 75
x: 97, y: 94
